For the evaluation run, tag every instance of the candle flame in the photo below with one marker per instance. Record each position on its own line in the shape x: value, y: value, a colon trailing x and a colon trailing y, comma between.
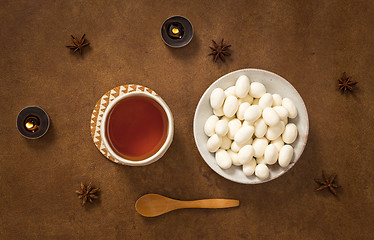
x: 175, y: 30
x: 29, y: 125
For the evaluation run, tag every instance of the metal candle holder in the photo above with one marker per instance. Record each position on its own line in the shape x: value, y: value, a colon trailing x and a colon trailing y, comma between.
x: 177, y: 31
x: 32, y: 122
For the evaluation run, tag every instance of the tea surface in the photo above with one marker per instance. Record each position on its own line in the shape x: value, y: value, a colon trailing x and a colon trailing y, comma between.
x: 136, y: 127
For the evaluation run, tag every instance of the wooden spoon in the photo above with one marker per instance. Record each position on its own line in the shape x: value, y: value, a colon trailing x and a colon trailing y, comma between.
x: 152, y: 205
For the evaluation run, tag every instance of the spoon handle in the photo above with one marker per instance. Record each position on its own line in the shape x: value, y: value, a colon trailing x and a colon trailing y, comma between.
x: 209, y: 203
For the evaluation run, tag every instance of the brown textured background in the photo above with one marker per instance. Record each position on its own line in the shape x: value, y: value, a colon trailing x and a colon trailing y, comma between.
x: 310, y: 43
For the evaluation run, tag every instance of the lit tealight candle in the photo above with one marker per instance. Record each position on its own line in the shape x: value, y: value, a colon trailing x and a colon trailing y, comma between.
x: 31, y: 123
x: 176, y: 30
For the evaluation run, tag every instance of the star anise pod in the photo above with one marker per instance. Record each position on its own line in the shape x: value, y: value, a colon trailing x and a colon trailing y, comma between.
x: 78, y: 45
x: 219, y: 50
x: 327, y: 183
x: 87, y: 193
x: 345, y: 83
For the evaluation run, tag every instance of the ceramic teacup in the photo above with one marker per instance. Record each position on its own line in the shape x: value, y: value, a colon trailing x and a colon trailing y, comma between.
x: 169, y: 134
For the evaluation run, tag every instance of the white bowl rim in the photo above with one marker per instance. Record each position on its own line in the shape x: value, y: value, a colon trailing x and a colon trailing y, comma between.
x: 258, y: 70
x: 163, y: 148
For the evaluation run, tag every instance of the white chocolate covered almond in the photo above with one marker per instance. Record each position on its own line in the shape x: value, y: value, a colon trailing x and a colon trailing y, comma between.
x: 290, y: 133
x: 214, y: 142
x: 266, y: 101
x: 242, y: 86
x: 271, y: 154
x: 216, y: 98
x: 249, y: 167
x: 259, y: 146
x: 221, y: 128
x: 245, y: 154
x: 223, y: 159
x: 260, y: 128
x: 230, y: 106
x: 285, y: 155
x: 257, y: 90
x: 270, y: 116
x: 262, y: 171
x: 210, y: 125
x: 274, y: 132
x: 252, y: 113
x: 244, y: 135
x: 290, y: 106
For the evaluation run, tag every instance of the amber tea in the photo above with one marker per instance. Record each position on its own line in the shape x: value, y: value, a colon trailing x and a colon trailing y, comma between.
x: 136, y: 127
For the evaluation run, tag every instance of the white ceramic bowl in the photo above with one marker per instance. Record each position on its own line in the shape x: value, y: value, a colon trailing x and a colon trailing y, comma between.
x: 164, y: 147
x: 274, y: 84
